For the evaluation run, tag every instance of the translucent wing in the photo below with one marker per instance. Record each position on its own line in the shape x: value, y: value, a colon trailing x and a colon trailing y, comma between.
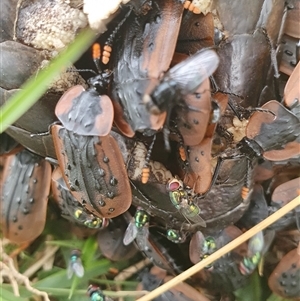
x: 256, y: 244
x: 130, y: 233
x: 70, y: 271
x: 75, y: 267
x: 190, y: 73
x: 268, y: 239
x: 142, y: 239
x: 192, y: 216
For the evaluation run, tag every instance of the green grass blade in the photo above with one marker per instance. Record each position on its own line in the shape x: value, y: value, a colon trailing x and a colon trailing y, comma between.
x: 34, y: 88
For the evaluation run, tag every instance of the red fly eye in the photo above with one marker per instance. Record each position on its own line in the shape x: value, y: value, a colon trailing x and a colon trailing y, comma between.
x: 174, y: 185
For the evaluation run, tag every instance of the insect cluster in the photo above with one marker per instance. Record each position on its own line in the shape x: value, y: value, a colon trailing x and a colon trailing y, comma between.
x: 187, y: 135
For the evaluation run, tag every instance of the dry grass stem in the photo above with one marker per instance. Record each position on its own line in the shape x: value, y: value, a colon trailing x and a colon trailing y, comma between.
x: 8, y: 264
x: 49, y: 252
x: 5, y: 271
x: 224, y: 250
x: 127, y: 273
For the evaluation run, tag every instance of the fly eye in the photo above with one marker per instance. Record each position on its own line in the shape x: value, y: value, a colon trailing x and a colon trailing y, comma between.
x: 173, y: 185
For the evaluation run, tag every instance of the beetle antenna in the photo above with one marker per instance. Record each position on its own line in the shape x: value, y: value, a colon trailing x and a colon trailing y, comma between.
x: 96, y: 53
x: 107, y: 49
x: 81, y: 70
x: 146, y: 169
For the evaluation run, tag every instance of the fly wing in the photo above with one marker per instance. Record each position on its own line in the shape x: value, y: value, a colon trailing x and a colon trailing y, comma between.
x: 190, y: 73
x: 130, y: 234
x: 78, y: 268
x: 70, y: 270
x: 268, y: 239
x: 256, y: 244
x: 191, y: 216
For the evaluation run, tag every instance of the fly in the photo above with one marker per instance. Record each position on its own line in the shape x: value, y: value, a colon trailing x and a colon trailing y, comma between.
x: 182, y: 201
x: 137, y: 225
x: 257, y: 247
x: 182, y: 79
x: 75, y: 265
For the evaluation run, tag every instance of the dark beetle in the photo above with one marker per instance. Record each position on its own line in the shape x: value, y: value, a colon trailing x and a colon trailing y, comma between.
x: 276, y: 138
x: 8, y: 145
x: 228, y: 205
x: 238, y: 64
x: 140, y: 62
x: 24, y: 196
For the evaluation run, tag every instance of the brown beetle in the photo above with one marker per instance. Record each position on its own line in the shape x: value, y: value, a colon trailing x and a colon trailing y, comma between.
x: 285, y: 279
x: 292, y: 92
x: 138, y: 69
x: 281, y: 196
x: 278, y: 137
x: 24, y: 196
x: 71, y: 208
x: 94, y: 170
x: 199, y: 174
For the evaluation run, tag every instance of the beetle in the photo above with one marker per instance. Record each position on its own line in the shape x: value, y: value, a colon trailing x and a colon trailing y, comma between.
x: 75, y: 265
x: 71, y: 208
x: 284, y: 280
x: 97, y: 176
x: 25, y: 188
x: 292, y: 92
x: 239, y: 64
x: 145, y: 62
x: 274, y: 138
x: 281, y: 195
